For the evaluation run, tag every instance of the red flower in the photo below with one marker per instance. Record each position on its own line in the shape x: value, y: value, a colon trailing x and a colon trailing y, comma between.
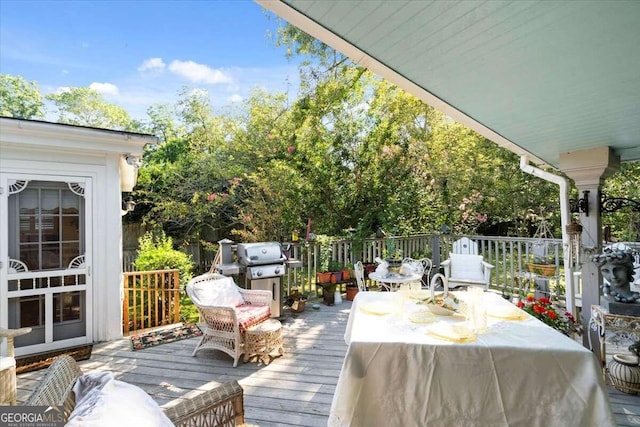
x: 212, y: 197
x: 545, y: 301
x: 539, y: 309
x: 291, y: 149
x: 520, y: 304
x: 530, y: 298
x: 552, y: 314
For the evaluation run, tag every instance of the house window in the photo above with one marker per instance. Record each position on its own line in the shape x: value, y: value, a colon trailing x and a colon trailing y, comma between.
x: 47, y: 219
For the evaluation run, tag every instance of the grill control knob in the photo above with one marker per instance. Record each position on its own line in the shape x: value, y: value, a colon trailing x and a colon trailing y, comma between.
x: 259, y: 273
x: 277, y: 270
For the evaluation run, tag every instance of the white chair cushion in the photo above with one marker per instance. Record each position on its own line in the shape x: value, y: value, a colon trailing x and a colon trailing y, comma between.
x: 102, y: 400
x: 466, y: 267
x: 221, y: 292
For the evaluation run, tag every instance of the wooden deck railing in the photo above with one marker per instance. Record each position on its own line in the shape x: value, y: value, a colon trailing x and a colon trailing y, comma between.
x: 151, y: 299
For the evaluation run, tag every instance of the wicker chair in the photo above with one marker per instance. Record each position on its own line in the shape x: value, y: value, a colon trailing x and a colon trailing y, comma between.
x: 8, y: 366
x: 220, y: 406
x: 224, y: 325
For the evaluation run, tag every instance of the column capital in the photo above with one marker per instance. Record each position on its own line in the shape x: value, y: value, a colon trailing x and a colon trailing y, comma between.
x: 589, y: 167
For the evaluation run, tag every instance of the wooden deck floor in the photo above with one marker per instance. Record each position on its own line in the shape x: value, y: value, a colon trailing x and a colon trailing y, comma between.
x: 295, y: 389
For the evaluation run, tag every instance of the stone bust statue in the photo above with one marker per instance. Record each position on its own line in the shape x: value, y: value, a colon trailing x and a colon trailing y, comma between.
x: 617, y: 269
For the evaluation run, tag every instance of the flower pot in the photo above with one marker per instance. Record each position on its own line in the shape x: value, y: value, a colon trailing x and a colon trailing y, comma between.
x: 328, y: 294
x: 624, y: 372
x: 394, y: 265
x: 352, y: 291
x: 336, y: 276
x: 323, y: 277
x: 546, y: 270
x: 346, y: 274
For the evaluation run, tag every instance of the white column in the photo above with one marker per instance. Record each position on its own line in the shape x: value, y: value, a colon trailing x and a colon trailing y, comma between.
x: 588, y: 169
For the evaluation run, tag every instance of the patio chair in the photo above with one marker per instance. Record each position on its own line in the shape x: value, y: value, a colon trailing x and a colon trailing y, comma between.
x: 465, y: 245
x: 467, y: 270
x: 8, y: 365
x: 221, y: 405
x: 226, y: 311
x: 358, y: 269
x: 422, y: 267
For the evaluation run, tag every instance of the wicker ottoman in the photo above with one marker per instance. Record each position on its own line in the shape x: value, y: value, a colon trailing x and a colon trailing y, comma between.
x: 7, y: 381
x: 262, y: 339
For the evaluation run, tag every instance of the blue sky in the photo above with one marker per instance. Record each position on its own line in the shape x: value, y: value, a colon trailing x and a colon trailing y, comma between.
x: 139, y: 53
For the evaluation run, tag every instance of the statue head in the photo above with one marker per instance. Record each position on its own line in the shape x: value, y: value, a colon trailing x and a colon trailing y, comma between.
x: 616, y: 266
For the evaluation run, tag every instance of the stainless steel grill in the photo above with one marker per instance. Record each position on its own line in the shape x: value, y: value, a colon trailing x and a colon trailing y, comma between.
x: 264, y: 265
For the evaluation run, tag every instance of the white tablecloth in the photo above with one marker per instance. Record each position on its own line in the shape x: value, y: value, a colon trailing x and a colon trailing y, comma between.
x: 519, y: 373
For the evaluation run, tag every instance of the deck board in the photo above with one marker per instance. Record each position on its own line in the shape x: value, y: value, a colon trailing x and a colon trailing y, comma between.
x: 293, y: 390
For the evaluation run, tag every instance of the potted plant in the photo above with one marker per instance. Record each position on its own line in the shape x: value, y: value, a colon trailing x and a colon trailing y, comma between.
x: 352, y: 291
x: 542, y: 264
x: 323, y: 274
x: 347, y: 271
x: 392, y: 254
x: 335, y: 268
x: 542, y: 260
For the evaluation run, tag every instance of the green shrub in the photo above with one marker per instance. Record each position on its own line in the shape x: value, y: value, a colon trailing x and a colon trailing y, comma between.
x: 155, y: 252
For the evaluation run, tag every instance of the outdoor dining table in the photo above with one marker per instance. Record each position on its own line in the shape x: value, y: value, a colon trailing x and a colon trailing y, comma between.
x: 517, y: 373
x: 392, y: 281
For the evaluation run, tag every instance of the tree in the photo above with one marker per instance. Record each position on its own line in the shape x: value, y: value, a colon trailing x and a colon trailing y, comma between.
x: 19, y: 98
x: 86, y: 107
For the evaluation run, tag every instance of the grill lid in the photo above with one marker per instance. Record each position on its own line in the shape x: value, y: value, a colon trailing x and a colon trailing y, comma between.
x: 259, y: 253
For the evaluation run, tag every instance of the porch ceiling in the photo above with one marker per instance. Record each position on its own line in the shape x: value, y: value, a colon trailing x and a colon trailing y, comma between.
x: 541, y: 78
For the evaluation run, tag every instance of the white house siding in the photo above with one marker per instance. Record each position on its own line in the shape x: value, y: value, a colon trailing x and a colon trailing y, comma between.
x: 54, y: 150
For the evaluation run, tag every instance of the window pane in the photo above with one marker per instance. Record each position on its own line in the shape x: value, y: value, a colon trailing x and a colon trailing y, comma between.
x: 31, y: 311
x: 28, y: 201
x: 75, y: 279
x: 69, y: 252
x: 70, y: 228
x: 70, y: 203
x: 70, y: 321
x: 27, y: 311
x: 29, y: 254
x: 55, y: 281
x: 50, y: 256
x: 50, y: 202
x: 49, y: 227
x: 29, y: 228
x: 66, y: 306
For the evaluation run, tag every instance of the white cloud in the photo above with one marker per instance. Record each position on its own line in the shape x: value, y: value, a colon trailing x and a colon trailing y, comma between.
x: 152, y: 64
x: 199, y: 73
x: 62, y: 89
x: 104, y: 88
x: 235, y: 98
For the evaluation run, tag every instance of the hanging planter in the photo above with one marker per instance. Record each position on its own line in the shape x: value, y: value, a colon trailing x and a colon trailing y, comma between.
x: 546, y: 270
x: 542, y: 254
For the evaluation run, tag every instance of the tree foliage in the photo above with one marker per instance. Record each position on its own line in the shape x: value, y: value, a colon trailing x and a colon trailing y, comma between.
x: 352, y: 151
x: 86, y: 107
x: 19, y: 98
